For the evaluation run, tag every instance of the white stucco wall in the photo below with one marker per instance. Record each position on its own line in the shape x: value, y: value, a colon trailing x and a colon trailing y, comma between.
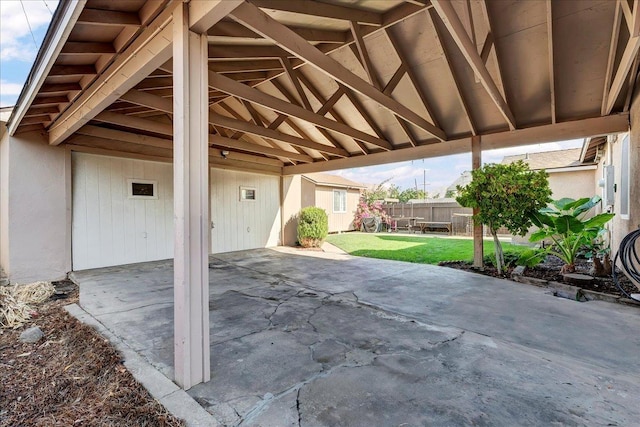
x: 35, y: 220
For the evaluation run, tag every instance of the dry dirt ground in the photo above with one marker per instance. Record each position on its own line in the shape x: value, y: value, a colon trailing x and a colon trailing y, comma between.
x: 72, y: 376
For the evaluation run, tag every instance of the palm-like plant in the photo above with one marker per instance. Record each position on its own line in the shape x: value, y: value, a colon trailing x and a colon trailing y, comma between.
x: 564, y: 223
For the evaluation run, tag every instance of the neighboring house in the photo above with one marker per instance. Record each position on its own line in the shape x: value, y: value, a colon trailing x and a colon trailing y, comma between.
x: 616, y: 179
x: 568, y: 176
x: 463, y: 180
x: 338, y: 196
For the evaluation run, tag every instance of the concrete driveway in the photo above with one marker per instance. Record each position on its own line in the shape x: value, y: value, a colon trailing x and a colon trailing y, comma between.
x: 321, y: 339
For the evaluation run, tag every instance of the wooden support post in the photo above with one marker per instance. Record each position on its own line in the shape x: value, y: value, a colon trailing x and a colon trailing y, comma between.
x: 476, y: 162
x: 191, y: 203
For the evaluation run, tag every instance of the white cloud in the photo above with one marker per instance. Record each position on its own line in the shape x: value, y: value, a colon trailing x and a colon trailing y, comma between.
x: 9, y: 93
x: 16, y: 42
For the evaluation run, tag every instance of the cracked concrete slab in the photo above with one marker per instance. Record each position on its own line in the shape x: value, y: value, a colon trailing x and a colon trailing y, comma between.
x: 318, y: 339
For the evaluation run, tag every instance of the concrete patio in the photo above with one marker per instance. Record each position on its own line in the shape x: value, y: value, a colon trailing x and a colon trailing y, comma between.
x: 324, y: 339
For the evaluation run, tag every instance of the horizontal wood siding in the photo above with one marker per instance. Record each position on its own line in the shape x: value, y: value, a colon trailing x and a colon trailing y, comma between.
x: 109, y: 228
x: 239, y: 225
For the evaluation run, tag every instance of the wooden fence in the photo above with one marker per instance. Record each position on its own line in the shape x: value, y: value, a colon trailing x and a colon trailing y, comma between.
x: 436, y: 211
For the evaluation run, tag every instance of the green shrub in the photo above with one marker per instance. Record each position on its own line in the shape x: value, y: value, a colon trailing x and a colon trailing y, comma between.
x: 532, y: 257
x: 313, y: 227
x: 510, y: 259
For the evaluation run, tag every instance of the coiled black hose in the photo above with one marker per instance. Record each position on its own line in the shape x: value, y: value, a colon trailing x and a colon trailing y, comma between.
x: 628, y: 254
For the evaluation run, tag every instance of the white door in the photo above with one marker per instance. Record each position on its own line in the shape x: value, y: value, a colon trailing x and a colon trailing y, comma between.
x: 122, y: 211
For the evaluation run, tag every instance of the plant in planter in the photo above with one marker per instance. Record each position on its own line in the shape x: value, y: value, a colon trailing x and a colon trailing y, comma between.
x: 313, y: 227
x: 564, y: 223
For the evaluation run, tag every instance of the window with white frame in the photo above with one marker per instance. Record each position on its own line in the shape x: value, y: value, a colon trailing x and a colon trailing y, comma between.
x: 247, y: 194
x: 624, y: 178
x: 339, y: 201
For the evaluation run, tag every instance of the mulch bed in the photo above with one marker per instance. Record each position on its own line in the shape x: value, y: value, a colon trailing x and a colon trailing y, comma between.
x: 550, y: 270
x: 70, y: 377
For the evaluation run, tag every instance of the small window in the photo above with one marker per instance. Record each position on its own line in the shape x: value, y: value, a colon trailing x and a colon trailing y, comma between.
x: 339, y: 201
x: 247, y: 194
x: 142, y: 189
x: 624, y: 178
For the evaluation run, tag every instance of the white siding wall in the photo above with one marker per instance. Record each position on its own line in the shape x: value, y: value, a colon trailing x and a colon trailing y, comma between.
x: 239, y: 224
x: 109, y: 228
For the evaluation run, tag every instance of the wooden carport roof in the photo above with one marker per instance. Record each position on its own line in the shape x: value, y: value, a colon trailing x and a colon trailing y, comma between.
x: 302, y: 85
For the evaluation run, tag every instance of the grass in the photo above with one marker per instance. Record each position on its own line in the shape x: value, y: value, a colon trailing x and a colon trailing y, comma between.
x: 423, y: 250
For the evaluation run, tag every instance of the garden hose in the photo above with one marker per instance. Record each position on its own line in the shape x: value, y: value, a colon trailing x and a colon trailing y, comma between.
x: 628, y: 254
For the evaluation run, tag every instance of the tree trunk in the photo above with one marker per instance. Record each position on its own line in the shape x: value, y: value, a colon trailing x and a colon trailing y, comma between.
x: 608, y: 266
x: 498, y: 251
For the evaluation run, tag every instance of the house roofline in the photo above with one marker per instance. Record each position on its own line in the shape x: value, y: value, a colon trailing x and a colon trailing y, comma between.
x: 331, y: 184
x: 63, y: 21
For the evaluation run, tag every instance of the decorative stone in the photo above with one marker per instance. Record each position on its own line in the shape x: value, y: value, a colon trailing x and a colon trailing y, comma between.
x: 31, y: 335
x: 518, y: 271
x: 577, y: 279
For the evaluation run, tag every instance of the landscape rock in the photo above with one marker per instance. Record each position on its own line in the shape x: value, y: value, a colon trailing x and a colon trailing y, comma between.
x: 31, y: 335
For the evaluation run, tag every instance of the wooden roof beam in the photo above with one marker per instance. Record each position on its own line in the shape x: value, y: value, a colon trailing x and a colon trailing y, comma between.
x: 59, y: 88
x: 324, y: 10
x: 295, y: 127
x: 231, y: 29
x: 455, y: 27
x: 238, y: 144
x: 146, y: 53
x: 613, y: 47
x: 412, y: 75
x: 148, y: 100
x: 246, y: 52
x: 363, y: 54
x: 255, y: 19
x: 552, y: 83
x: 456, y: 80
x: 243, y: 91
x: 230, y: 67
x: 134, y: 123
x: 119, y: 135
x: 240, y: 125
x: 109, y: 17
x: 83, y: 48
x: 291, y: 73
x: 392, y: 17
x: 547, y: 133
x: 628, y: 57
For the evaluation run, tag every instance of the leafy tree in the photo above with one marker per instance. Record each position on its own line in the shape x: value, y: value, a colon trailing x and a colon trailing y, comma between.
x: 411, y: 193
x: 379, y: 192
x: 506, y: 196
x: 394, y: 191
x: 450, y: 193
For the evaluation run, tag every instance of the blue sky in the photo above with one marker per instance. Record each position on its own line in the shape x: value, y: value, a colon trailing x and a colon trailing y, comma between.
x: 18, y: 51
x: 17, y: 47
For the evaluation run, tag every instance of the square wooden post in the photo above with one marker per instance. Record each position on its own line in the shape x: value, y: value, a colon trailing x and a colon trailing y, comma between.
x: 476, y: 162
x: 191, y: 203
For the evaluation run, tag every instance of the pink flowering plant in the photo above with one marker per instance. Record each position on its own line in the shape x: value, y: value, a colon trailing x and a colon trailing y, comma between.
x: 370, y: 209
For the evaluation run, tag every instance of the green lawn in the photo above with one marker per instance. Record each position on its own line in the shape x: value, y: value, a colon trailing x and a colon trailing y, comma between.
x: 424, y: 250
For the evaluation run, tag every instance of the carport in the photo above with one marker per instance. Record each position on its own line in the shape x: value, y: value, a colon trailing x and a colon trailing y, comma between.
x: 311, y: 338
x: 287, y: 87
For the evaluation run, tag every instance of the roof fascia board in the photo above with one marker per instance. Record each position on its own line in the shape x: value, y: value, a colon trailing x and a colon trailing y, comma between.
x: 571, y: 169
x: 62, y: 23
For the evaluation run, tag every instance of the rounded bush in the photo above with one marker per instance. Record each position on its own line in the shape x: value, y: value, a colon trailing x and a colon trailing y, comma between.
x: 313, y: 227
